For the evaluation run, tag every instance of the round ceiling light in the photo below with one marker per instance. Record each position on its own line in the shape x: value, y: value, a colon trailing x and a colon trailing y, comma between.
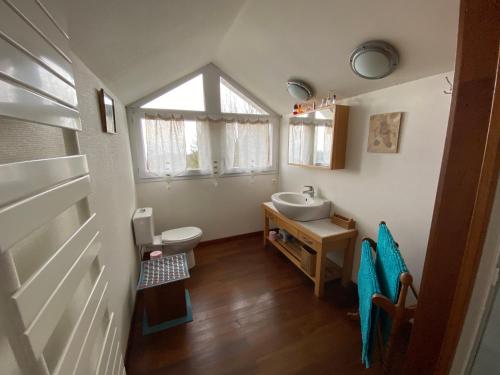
x: 374, y: 60
x: 299, y: 90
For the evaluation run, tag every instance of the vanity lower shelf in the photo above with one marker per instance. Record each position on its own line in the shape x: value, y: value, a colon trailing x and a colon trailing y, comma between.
x: 286, y: 251
x: 322, y: 236
x: 333, y: 270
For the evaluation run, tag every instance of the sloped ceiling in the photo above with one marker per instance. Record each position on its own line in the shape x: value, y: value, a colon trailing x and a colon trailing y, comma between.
x: 136, y: 47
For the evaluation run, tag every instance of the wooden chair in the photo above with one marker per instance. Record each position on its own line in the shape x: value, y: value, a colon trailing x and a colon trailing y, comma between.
x: 399, y: 314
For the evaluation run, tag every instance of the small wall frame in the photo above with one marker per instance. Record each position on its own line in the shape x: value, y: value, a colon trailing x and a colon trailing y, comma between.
x: 383, y: 135
x: 107, y: 109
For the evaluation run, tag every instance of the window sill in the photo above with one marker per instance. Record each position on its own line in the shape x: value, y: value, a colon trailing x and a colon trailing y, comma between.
x: 141, y: 180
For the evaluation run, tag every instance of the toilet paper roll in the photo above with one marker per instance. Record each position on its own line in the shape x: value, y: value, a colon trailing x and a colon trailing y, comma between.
x: 155, y: 254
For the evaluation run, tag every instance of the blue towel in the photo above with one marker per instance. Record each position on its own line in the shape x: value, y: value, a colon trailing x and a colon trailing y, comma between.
x: 389, y: 265
x: 367, y: 286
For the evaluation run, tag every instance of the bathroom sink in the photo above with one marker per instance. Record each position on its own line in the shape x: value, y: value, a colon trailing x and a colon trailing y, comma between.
x: 301, y: 207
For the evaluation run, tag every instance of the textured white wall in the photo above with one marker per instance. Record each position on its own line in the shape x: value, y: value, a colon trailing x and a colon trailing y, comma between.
x: 113, y: 195
x: 397, y: 188
x: 231, y: 208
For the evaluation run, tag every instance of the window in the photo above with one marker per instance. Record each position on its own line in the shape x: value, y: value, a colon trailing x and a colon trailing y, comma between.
x: 177, y: 134
x: 189, y: 96
x: 248, y: 147
x: 175, y: 147
x: 232, y: 101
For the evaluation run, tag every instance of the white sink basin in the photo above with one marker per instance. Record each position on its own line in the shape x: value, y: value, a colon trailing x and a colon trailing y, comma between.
x: 301, y: 207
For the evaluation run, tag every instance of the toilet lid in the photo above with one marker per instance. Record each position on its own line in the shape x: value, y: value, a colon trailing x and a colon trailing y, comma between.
x: 180, y: 234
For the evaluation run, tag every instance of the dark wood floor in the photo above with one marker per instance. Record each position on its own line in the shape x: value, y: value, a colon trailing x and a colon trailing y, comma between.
x: 254, y: 313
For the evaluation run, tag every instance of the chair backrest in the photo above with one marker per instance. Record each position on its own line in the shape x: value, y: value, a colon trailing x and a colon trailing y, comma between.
x: 37, y: 306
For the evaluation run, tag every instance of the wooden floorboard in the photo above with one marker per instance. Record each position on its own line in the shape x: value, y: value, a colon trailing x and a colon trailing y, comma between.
x: 254, y: 313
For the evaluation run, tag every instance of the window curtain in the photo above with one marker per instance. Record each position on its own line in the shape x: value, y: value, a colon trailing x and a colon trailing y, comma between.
x: 204, y: 148
x: 300, y: 143
x: 165, y: 146
x: 247, y: 146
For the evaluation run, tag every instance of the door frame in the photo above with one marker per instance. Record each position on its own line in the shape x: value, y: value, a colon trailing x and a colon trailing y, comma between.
x: 464, y: 198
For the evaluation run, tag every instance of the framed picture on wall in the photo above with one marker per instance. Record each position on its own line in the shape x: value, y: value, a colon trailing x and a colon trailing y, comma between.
x: 383, y: 135
x: 107, y: 108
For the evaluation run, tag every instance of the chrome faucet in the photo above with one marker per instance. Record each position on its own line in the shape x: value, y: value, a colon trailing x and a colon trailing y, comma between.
x: 309, y: 191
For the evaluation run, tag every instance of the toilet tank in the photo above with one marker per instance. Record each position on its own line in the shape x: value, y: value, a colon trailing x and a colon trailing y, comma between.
x: 143, y: 226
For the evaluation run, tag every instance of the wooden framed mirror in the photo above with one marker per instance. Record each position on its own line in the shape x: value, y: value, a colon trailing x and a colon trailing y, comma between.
x: 318, y: 138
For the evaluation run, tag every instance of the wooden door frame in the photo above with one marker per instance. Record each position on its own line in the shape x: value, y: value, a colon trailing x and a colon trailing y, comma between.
x: 467, y: 182
x: 478, y: 230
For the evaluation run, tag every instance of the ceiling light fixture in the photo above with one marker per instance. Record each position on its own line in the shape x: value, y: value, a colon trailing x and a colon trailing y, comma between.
x: 374, y: 59
x: 299, y: 90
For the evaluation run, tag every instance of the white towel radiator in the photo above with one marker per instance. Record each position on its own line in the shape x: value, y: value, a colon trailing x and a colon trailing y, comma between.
x: 37, y: 86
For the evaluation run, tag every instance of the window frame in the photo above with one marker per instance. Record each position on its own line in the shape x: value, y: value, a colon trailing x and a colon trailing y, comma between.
x: 211, y: 89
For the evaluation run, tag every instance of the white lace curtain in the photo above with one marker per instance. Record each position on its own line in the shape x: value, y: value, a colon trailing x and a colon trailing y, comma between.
x: 165, y: 140
x: 247, y: 146
x: 171, y: 149
x: 204, y: 149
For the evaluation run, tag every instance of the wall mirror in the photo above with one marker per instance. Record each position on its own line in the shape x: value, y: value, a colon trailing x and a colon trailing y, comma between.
x: 318, y: 139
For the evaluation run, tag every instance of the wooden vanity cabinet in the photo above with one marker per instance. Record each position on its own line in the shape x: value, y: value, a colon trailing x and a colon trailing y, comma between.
x: 339, y: 149
x: 321, y: 235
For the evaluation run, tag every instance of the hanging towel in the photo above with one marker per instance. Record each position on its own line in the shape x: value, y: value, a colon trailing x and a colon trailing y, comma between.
x: 367, y: 286
x: 389, y: 265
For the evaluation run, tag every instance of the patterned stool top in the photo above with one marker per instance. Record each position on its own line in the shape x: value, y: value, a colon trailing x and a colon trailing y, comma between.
x: 164, y: 270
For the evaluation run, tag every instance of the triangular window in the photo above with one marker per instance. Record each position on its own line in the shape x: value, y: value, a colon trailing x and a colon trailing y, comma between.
x: 233, y: 101
x: 189, y: 96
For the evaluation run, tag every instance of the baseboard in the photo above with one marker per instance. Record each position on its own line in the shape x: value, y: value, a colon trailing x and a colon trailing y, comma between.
x: 227, y: 239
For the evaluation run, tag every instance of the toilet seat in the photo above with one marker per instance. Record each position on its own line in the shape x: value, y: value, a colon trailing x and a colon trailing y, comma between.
x: 180, y: 235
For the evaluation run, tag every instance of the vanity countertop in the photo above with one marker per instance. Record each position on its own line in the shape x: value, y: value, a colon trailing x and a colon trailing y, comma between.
x: 322, y: 228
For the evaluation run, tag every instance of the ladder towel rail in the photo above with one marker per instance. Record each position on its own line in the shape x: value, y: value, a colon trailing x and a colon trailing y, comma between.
x: 43, y: 273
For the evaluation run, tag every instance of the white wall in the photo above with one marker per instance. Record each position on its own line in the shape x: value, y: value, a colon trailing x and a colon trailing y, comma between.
x: 397, y: 188
x: 231, y: 208
x: 113, y: 195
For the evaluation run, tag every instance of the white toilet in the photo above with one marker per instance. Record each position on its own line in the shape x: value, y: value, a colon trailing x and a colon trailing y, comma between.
x: 173, y: 241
